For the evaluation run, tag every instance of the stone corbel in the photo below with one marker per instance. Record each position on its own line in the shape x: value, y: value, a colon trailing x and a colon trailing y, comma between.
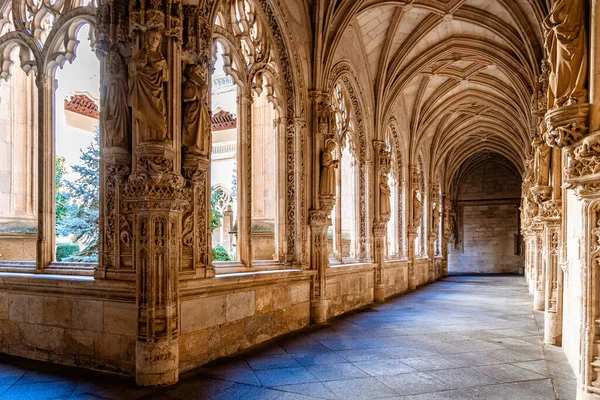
x: 567, y: 124
x: 582, y: 173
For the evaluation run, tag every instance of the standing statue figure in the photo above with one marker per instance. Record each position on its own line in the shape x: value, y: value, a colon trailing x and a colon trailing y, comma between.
x: 116, y: 114
x: 385, y: 193
x: 417, y: 209
x: 541, y: 166
x: 148, y: 71
x: 566, y: 46
x: 196, y: 118
x: 328, y: 166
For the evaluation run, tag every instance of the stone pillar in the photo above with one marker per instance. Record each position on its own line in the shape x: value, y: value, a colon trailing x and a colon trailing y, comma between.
x: 553, y: 284
x: 46, y: 87
x: 412, y: 278
x: 324, y: 197
x: 435, y: 215
x: 539, y: 302
x: 244, y: 247
x: 415, y: 207
x: 382, y: 209
x: 155, y: 190
x: 446, y: 231
x: 580, y: 176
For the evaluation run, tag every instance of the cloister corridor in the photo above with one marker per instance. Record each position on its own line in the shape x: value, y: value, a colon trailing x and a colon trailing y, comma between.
x: 462, y: 337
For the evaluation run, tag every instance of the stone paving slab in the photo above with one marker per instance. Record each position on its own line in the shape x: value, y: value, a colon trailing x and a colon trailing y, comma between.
x: 459, y: 338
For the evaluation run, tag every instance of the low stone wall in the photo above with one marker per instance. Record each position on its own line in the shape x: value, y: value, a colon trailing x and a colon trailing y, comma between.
x: 78, y: 321
x: 224, y: 315
x: 349, y: 287
x: 421, y: 267
x: 395, y: 277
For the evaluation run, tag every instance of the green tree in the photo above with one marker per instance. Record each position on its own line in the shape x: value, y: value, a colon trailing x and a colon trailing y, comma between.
x: 81, y: 221
x: 61, y: 196
x: 216, y: 196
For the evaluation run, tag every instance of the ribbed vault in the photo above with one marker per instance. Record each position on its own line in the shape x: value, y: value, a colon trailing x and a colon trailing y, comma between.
x: 459, y: 73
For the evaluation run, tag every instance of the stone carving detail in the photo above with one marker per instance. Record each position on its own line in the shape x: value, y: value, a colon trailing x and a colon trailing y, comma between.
x: 328, y: 167
x: 566, y: 46
x: 165, y: 16
x: 551, y: 209
x: 196, y: 137
x: 567, y: 49
x: 385, y: 209
x: 148, y: 71
x: 566, y: 125
x: 116, y: 120
x: 583, y: 166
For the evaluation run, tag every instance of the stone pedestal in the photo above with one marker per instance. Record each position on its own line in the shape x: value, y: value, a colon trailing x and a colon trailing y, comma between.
x: 553, y: 328
x: 157, y: 363
x: 318, y: 311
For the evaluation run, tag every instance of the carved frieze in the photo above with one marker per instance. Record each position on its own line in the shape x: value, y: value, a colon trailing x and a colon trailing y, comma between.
x: 583, y: 167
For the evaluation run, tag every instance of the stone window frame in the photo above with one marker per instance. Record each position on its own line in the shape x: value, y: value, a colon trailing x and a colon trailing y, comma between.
x: 344, y: 120
x: 252, y: 74
x: 44, y: 47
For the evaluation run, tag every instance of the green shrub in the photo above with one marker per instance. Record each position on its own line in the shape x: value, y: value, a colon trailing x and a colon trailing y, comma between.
x: 64, y: 251
x: 220, y: 254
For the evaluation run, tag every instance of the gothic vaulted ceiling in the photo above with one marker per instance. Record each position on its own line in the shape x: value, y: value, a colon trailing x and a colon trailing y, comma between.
x: 458, y: 73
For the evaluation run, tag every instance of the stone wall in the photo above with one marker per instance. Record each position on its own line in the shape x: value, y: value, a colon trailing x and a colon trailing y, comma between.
x: 488, y: 220
x: 395, y: 277
x: 349, y: 287
x: 234, y: 313
x: 67, y: 323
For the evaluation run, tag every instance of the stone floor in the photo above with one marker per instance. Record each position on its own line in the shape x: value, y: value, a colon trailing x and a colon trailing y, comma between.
x: 459, y: 338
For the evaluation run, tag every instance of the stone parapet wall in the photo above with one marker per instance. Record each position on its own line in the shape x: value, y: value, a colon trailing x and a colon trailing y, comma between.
x: 68, y: 321
x: 421, y: 271
x: 91, y: 323
x: 349, y: 287
x: 395, y: 277
x: 236, y: 312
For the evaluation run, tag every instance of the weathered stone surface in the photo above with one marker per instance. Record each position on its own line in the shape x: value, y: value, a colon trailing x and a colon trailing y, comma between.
x: 120, y: 319
x: 58, y: 312
x: 201, y: 313
x: 88, y: 315
x: 240, y: 305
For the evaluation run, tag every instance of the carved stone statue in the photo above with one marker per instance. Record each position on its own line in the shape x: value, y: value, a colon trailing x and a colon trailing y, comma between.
x: 541, y: 161
x: 417, y: 209
x: 384, y: 196
x: 116, y: 113
x: 566, y: 45
x: 148, y: 71
x: 196, y: 118
x: 328, y: 166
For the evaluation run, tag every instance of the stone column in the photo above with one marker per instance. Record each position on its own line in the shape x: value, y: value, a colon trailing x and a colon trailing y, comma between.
x: 46, y: 87
x: 324, y: 198
x: 553, y: 282
x: 382, y: 210
x: 435, y: 214
x: 446, y: 231
x: 155, y: 190
x: 244, y: 235
x: 415, y: 218
x: 539, y: 302
x: 116, y: 218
